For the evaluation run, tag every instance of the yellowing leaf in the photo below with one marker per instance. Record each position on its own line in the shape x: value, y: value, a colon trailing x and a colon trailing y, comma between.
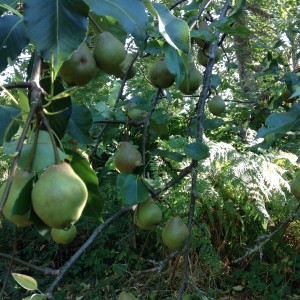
x: 25, y: 281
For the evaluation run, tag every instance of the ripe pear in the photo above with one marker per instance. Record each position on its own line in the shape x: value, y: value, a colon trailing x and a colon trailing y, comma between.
x: 295, y: 186
x: 159, y: 74
x: 202, y: 56
x: 20, y: 180
x: 202, y: 26
x: 109, y: 52
x: 59, y: 196
x: 126, y: 296
x: 175, y: 233
x: 80, y: 68
x: 64, y: 236
x: 124, y: 67
x: 127, y: 158
x: 216, y: 105
x: 147, y: 215
x: 192, y: 80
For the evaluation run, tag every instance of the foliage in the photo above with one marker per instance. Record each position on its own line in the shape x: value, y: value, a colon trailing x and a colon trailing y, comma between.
x: 227, y: 177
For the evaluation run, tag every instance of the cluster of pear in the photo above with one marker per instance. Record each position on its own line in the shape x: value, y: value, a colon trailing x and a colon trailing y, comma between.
x: 148, y: 214
x: 161, y: 77
x: 109, y: 55
x: 58, y: 198
x: 204, y: 46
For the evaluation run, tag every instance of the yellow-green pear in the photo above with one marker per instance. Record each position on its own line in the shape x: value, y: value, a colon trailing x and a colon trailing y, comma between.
x: 159, y: 74
x: 127, y: 158
x: 20, y: 180
x: 64, y: 236
x: 109, y: 52
x: 175, y: 233
x: 123, y: 67
x: 192, y: 80
x: 59, y: 196
x: 216, y: 105
x: 202, y: 56
x: 147, y: 214
x: 80, y: 68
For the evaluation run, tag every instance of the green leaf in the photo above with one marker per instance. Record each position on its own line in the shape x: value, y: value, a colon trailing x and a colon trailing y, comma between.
x: 174, y: 30
x: 281, y: 123
x: 197, y: 151
x: 177, y: 63
x: 120, y: 269
x: 7, y: 116
x: 7, y: 5
x: 25, y: 281
x: 131, y: 189
x: 60, y: 109
x: 170, y: 155
x: 12, y: 39
x: 211, y: 124
x: 55, y: 27
x: 82, y: 168
x: 130, y: 14
x: 44, y: 154
x: 80, y: 123
x: 35, y: 297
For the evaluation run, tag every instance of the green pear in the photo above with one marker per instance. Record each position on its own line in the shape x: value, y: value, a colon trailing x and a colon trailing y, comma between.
x: 127, y: 158
x: 136, y: 114
x: 59, y: 196
x: 109, y: 52
x: 20, y: 180
x: 202, y: 56
x: 80, y: 68
x: 175, y: 233
x: 124, y: 67
x: 192, y: 80
x: 147, y: 215
x: 216, y: 105
x: 159, y: 74
x: 64, y: 236
x: 295, y: 186
x: 126, y: 296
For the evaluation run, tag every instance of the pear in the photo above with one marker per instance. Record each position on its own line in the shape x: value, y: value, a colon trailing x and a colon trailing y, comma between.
x: 147, y: 214
x: 295, y: 186
x: 109, y: 52
x: 127, y: 158
x: 192, y: 80
x: 59, y: 196
x: 202, y: 56
x: 159, y: 74
x: 20, y: 180
x: 80, y: 68
x: 126, y: 296
x: 64, y: 236
x: 175, y: 233
x: 216, y: 105
x: 136, y: 114
x: 124, y: 67
x: 202, y: 26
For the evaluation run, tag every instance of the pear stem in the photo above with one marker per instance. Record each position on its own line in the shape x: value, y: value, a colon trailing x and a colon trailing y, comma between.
x: 51, y: 135
x: 33, y: 150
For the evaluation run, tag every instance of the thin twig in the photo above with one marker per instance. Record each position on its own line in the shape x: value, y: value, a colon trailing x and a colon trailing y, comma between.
x: 66, y: 267
x: 42, y: 270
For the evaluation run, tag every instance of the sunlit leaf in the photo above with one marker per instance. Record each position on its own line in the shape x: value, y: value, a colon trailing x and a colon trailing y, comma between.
x: 25, y: 281
x: 197, y: 151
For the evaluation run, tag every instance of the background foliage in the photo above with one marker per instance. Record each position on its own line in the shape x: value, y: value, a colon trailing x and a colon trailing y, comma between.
x: 230, y: 181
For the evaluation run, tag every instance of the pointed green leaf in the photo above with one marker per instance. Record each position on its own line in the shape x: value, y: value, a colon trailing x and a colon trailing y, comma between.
x: 25, y: 281
x: 12, y: 39
x: 130, y: 14
x: 7, y: 115
x: 131, y: 189
x: 83, y: 169
x: 197, y: 151
x: 55, y: 27
x: 80, y: 123
x: 174, y: 30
